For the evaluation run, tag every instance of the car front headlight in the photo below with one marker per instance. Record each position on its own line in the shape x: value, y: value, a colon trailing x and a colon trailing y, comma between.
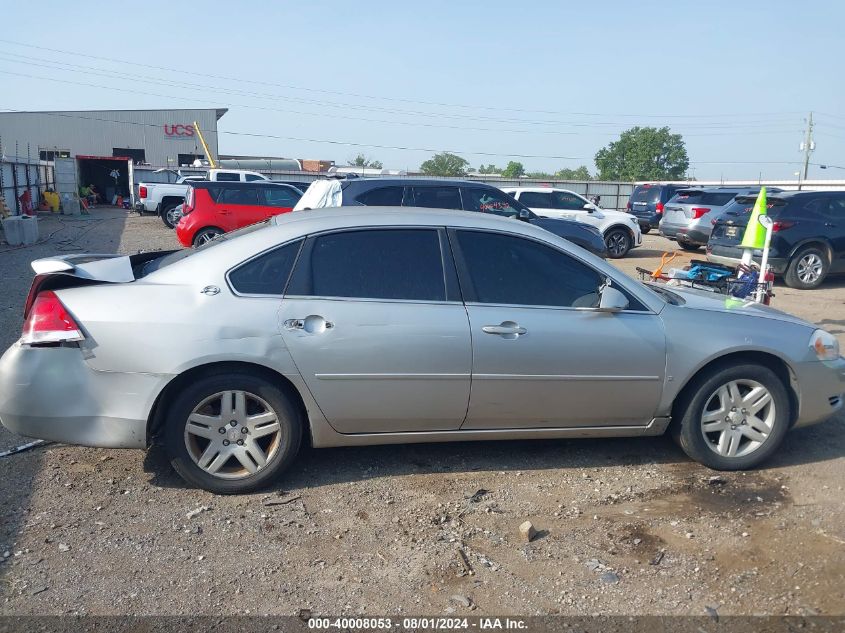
x: 825, y: 345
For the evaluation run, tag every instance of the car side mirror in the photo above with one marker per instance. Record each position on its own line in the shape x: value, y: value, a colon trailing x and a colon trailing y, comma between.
x: 612, y: 300
x: 524, y: 215
x: 589, y: 207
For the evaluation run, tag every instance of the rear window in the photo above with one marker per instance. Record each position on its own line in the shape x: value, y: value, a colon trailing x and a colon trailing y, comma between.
x: 645, y: 194
x: 712, y: 198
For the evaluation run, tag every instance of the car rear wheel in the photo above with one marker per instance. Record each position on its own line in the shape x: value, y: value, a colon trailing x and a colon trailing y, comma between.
x: 807, y: 269
x: 645, y: 228
x: 206, y: 235
x: 232, y: 433
x: 618, y: 243
x: 688, y: 247
x: 733, y: 417
x: 169, y: 215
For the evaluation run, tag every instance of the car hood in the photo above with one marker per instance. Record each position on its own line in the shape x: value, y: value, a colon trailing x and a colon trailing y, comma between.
x: 558, y: 225
x: 702, y: 300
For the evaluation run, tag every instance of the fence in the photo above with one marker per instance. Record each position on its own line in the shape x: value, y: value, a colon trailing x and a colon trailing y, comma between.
x: 17, y: 176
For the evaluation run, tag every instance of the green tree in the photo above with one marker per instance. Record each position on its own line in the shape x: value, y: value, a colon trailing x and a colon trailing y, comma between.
x: 362, y: 161
x: 445, y: 164
x: 580, y: 173
x: 513, y: 170
x: 489, y: 169
x: 539, y: 175
x: 644, y: 153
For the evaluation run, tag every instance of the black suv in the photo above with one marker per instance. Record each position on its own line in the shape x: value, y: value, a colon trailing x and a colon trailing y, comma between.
x: 465, y: 195
x: 647, y: 201
x: 808, y: 238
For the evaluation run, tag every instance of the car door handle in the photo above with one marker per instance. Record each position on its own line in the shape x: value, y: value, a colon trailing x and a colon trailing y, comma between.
x: 506, y: 329
x: 313, y: 324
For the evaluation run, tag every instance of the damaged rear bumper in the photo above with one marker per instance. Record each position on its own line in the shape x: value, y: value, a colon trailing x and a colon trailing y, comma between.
x: 51, y: 393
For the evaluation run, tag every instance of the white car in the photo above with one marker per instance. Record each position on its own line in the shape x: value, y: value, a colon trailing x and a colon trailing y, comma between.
x: 620, y: 230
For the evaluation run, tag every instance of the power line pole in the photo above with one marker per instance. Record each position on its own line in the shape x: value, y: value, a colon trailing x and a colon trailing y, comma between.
x: 808, y: 145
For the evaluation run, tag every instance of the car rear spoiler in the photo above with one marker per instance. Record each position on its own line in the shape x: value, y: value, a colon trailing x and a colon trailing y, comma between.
x: 106, y: 267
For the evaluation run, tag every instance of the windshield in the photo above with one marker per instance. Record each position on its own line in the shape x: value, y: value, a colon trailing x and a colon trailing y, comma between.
x: 645, y: 193
x: 712, y: 198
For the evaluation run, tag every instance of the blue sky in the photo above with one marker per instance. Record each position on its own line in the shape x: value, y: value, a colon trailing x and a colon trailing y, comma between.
x: 554, y: 81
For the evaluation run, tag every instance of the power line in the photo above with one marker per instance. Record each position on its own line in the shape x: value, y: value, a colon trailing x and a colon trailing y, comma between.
x: 88, y: 70
x: 383, y: 98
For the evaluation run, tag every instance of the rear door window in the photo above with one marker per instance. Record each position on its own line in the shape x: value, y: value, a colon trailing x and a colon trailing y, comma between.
x: 382, y: 197
x: 253, y: 177
x: 238, y: 195
x: 266, y: 274
x: 436, y: 197
x: 283, y: 197
x: 536, y: 199
x: 397, y: 264
x: 227, y: 177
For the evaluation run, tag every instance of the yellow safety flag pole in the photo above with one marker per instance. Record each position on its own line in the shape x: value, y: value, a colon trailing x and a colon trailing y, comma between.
x: 197, y: 129
x: 755, y: 233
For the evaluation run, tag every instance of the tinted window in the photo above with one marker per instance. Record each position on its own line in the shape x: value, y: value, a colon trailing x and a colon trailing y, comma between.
x: 490, y: 201
x: 536, y: 199
x: 284, y: 197
x: 238, y: 195
x: 228, y: 177
x: 267, y: 274
x: 513, y: 270
x: 382, y: 197
x: 381, y: 264
x: 437, y: 197
x: 643, y: 193
x: 566, y: 200
x: 252, y: 178
x: 712, y: 198
x: 836, y: 208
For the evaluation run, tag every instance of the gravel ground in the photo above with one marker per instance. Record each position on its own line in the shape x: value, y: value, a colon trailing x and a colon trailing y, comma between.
x: 624, y: 526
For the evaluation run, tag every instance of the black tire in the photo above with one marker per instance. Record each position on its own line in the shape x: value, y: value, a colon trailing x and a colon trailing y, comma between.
x: 688, y: 247
x: 799, y: 274
x: 206, y: 234
x: 687, y: 424
x: 645, y: 229
x: 165, y: 209
x: 618, y: 242
x: 258, y: 388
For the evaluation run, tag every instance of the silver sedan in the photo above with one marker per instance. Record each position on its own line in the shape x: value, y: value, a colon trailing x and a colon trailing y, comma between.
x: 347, y: 327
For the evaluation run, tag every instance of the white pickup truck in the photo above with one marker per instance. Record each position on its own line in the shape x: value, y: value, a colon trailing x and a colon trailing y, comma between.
x: 163, y: 198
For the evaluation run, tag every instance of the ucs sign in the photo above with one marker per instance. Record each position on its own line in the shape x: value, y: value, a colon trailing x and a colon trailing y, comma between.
x: 178, y: 130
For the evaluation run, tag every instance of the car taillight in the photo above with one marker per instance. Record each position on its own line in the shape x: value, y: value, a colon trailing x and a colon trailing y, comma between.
x: 698, y: 212
x: 188, y: 205
x: 780, y: 225
x: 659, y: 207
x: 142, y: 192
x: 49, y: 322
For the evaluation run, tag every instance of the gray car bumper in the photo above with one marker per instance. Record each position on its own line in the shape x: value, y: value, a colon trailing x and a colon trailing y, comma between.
x: 53, y: 394
x: 821, y: 387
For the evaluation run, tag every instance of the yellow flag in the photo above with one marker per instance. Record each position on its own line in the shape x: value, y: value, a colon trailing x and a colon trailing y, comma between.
x: 755, y: 233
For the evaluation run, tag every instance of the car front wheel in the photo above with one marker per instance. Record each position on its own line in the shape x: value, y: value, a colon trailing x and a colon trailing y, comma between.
x: 687, y: 246
x: 232, y: 433
x: 618, y: 243
x: 733, y: 417
x: 807, y: 269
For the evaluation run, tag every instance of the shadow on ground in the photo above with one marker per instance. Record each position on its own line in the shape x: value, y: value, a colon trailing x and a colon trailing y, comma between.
x: 320, y: 467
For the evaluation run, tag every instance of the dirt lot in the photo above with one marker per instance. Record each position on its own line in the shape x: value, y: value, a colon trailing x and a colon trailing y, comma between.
x: 626, y: 526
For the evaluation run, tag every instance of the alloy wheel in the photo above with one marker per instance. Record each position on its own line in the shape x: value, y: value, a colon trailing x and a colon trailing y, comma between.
x: 617, y: 243
x: 233, y: 434
x: 206, y: 237
x: 173, y: 216
x: 738, y: 418
x: 810, y: 268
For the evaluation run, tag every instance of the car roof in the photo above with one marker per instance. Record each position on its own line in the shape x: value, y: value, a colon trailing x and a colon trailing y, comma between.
x: 399, y: 180
x: 236, y: 184
x: 540, y: 190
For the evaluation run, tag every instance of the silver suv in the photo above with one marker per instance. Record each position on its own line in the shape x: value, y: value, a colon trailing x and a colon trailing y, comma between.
x: 688, y: 218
